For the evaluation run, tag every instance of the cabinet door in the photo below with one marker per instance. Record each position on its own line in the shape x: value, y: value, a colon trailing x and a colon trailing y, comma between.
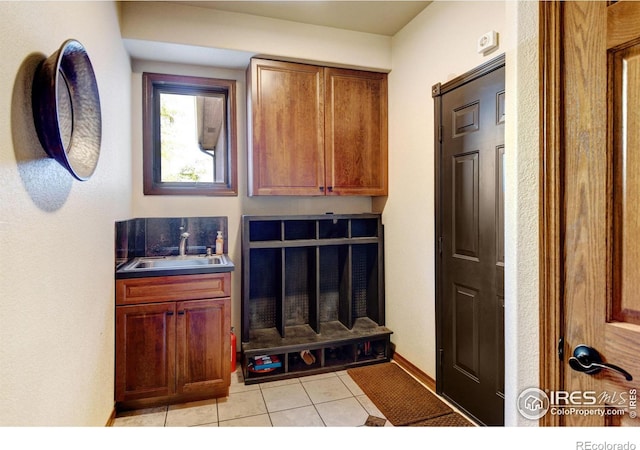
x: 355, y: 132
x: 286, y: 152
x: 203, y: 346
x: 145, y: 351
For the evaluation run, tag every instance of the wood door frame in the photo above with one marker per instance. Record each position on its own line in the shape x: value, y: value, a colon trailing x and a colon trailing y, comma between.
x: 437, y: 91
x: 551, y: 308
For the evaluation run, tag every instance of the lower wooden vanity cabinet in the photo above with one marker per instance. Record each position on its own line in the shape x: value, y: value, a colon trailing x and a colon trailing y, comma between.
x: 172, y: 339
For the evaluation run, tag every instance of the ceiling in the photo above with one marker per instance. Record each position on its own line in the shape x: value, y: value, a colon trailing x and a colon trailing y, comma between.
x: 378, y: 17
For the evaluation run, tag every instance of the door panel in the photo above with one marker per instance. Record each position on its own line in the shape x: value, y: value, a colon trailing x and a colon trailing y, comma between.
x: 585, y: 188
x: 500, y: 206
x: 626, y: 104
x: 465, y: 119
x: 471, y: 267
x: 287, y: 129
x: 355, y: 132
x: 622, y: 326
x: 202, y: 356
x: 622, y: 330
x: 465, y: 332
x: 600, y: 219
x: 465, y: 206
x: 145, y: 358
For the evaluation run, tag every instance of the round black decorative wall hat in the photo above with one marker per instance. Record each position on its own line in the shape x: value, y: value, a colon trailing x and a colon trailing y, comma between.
x: 66, y: 109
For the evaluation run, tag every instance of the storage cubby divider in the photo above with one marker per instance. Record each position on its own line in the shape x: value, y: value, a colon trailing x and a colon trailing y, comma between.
x: 314, y: 284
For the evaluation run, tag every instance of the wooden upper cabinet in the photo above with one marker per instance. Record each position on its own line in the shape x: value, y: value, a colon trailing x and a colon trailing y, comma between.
x: 355, y: 132
x: 316, y: 130
x: 286, y: 148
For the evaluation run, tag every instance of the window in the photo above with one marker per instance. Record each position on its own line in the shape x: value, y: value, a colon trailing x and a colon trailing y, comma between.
x: 189, y: 135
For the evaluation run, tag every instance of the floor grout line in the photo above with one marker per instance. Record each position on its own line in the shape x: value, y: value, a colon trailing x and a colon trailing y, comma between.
x: 314, y: 405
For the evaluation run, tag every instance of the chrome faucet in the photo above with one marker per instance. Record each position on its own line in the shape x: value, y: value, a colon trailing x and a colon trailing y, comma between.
x: 183, y: 242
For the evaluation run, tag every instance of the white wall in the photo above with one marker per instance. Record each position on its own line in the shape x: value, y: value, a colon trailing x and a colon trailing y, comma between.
x: 522, y: 168
x: 57, y: 234
x: 437, y: 46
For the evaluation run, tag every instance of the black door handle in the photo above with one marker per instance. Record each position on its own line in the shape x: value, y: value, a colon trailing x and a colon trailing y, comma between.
x: 587, y: 359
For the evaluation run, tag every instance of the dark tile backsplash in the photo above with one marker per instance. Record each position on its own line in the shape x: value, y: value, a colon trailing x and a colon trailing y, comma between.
x: 161, y: 236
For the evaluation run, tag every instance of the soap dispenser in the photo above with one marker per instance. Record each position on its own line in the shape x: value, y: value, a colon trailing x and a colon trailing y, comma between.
x: 219, y: 244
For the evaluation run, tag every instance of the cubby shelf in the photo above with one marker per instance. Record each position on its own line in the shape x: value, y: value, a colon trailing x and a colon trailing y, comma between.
x: 313, y: 283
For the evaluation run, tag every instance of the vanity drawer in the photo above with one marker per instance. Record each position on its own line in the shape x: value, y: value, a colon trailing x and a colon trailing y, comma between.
x: 178, y: 287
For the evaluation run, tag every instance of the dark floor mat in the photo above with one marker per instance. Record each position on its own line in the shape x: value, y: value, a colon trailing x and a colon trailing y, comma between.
x: 399, y: 396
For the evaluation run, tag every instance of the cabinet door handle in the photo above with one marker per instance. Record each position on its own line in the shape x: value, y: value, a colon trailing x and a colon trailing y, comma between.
x: 169, y: 313
x: 321, y: 188
x: 330, y: 188
x: 181, y: 313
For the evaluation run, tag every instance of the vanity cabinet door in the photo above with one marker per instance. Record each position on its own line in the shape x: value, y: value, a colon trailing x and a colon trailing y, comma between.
x: 145, y: 351
x: 203, y: 346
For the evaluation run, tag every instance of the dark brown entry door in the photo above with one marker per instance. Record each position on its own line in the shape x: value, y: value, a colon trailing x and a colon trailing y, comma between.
x: 471, y: 263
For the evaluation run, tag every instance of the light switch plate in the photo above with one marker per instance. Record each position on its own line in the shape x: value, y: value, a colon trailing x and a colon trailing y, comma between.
x: 488, y: 42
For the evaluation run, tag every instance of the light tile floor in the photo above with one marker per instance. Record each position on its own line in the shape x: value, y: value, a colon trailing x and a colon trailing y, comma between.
x: 326, y: 400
